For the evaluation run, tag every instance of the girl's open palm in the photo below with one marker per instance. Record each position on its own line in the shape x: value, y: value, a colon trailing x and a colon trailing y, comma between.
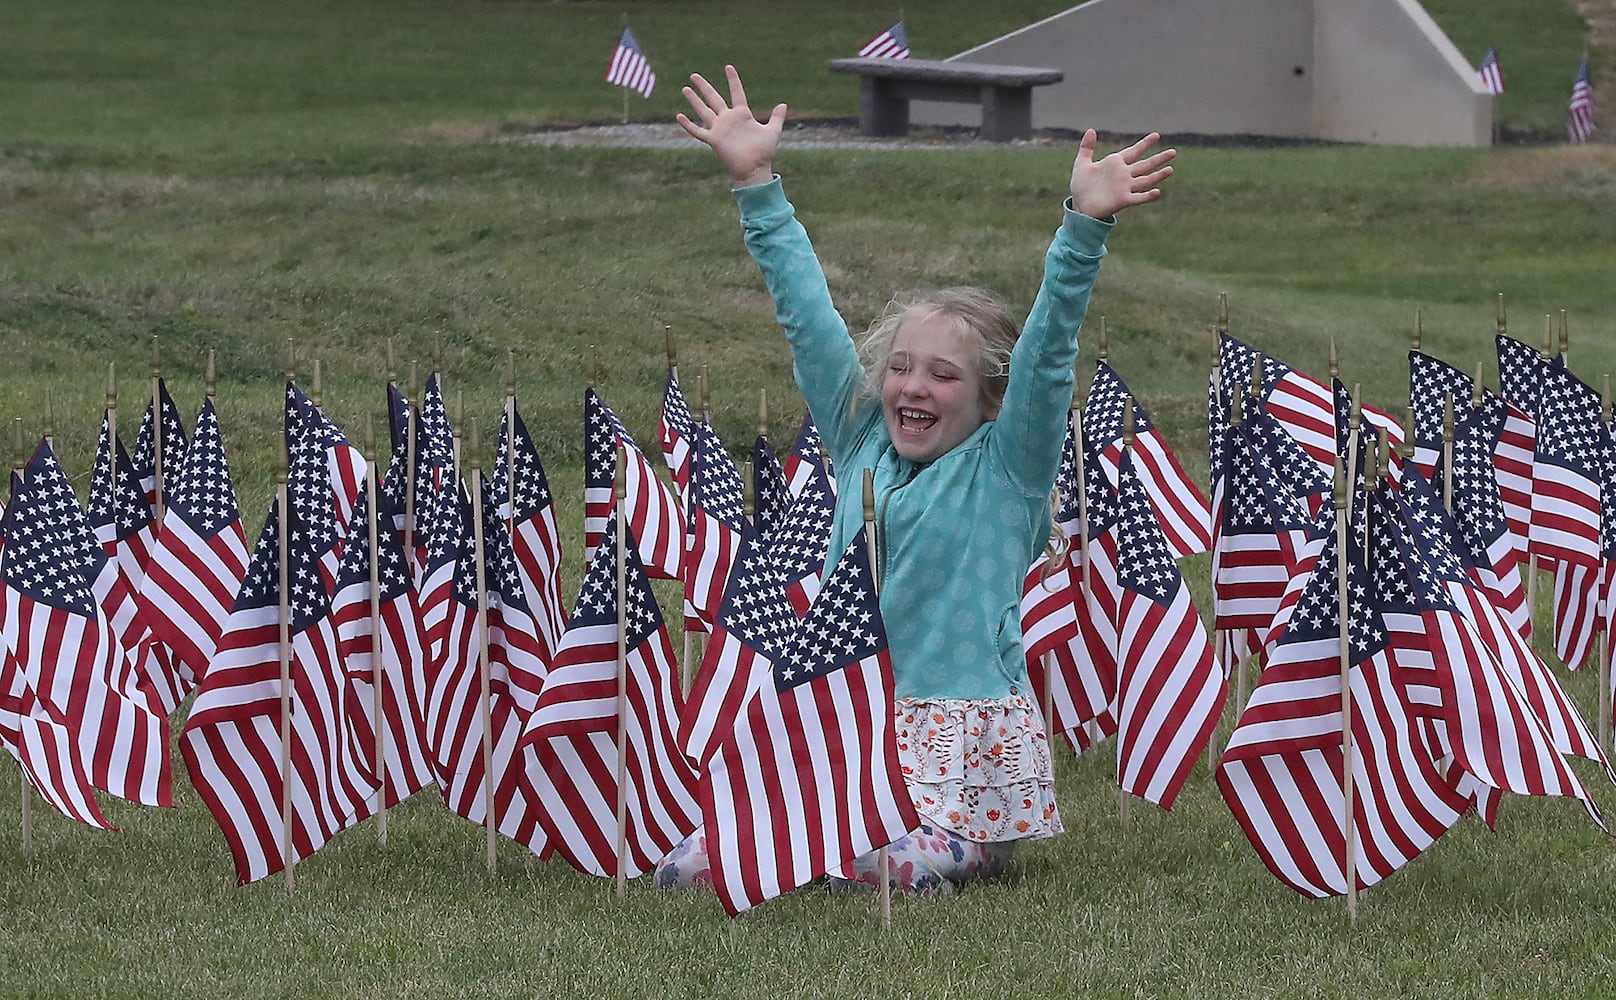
x: 1126, y: 178
x: 744, y: 145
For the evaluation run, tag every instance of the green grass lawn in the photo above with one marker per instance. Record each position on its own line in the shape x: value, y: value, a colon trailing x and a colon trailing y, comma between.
x: 231, y: 177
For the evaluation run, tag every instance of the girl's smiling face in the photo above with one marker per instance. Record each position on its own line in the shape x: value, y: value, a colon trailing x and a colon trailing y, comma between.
x: 931, y: 393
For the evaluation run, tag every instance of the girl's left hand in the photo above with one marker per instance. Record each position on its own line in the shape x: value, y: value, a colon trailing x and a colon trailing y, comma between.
x: 1126, y: 178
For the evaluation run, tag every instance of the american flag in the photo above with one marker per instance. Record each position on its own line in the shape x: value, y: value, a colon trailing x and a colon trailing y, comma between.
x: 754, y: 621
x: 674, y: 431
x: 1170, y: 691
x: 654, y: 512
x: 1181, y: 508
x: 713, y: 535
x: 1520, y: 383
x: 1282, y: 772
x: 1303, y: 405
x: 772, y: 497
x: 809, y: 778
x: 892, y: 43
x: 1373, y: 425
x: 1580, y: 115
x: 434, y: 463
x: 233, y: 738
x: 172, y: 440
x: 1478, y: 511
x: 199, y: 558
x: 309, y: 490
x: 123, y: 524
x: 807, y: 453
x: 345, y: 464
x: 1432, y: 530
x: 455, y: 704
x: 797, y: 550
x: 392, y: 644
x: 1607, y: 580
x: 398, y: 419
x: 1049, y: 594
x: 570, y: 746
x: 1430, y: 384
x: 1083, y: 669
x: 536, y: 538
x: 1491, y: 73
x: 64, y: 644
x: 44, y: 748
x: 629, y: 68
x: 1565, y: 472
x: 1489, y: 724
x: 119, y: 513
x: 1265, y: 536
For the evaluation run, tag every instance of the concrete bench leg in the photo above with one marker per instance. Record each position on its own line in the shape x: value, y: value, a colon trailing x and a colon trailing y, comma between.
x: 881, y: 110
x: 1006, y: 113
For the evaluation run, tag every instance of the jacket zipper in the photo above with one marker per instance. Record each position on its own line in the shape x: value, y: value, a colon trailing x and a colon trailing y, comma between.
x: 881, y: 525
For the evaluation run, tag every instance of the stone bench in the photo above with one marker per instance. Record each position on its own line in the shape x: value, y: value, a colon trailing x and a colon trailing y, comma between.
x: 888, y: 85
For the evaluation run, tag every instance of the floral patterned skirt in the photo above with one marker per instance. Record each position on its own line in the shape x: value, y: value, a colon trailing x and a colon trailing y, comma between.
x: 980, y: 768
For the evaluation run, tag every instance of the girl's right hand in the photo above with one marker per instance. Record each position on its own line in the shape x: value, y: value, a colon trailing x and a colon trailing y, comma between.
x: 745, y: 145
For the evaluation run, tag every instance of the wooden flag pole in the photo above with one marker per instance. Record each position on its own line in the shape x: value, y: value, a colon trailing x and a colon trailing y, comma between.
x: 620, y: 495
x: 284, y: 515
x: 484, y: 676
x: 1116, y: 620
x: 378, y: 635
x: 1447, y: 450
x: 411, y: 423
x: 510, y: 441
x: 1348, y: 830
x: 1602, y: 608
x: 459, y: 421
x: 883, y: 860
x: 26, y: 804
x: 160, y: 506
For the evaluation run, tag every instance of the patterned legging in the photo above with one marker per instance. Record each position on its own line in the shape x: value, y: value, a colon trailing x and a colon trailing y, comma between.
x: 928, y: 861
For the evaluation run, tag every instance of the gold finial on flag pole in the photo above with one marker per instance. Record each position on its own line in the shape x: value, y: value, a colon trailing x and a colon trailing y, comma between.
x: 210, y: 386
x: 1503, y: 316
x: 459, y: 421
x: 1548, y: 335
x: 673, y: 349
x: 1565, y: 335
x: 763, y: 413
x: 316, y: 392
x: 1103, y: 342
x: 1335, y: 359
x: 291, y: 360
x: 50, y: 421
x: 1408, y: 432
x: 1419, y: 330
x: 1477, y: 390
x: 1223, y: 312
x: 392, y: 366
x: 706, y: 397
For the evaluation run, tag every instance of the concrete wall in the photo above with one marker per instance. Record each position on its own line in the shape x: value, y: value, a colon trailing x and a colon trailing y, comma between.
x: 1354, y: 70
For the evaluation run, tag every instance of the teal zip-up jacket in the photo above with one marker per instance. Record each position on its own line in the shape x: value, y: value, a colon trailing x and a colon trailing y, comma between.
x: 959, y: 532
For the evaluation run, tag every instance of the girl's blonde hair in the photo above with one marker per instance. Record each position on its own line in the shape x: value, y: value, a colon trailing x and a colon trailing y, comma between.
x: 983, y: 317
x: 975, y: 312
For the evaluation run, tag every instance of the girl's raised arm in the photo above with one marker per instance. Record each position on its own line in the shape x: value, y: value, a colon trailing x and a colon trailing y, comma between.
x: 744, y: 145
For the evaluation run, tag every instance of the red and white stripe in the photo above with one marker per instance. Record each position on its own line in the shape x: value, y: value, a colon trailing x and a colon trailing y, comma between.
x: 808, y: 781
x: 189, y: 589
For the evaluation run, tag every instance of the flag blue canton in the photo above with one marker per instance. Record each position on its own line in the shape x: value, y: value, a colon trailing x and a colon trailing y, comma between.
x: 174, y: 443
x: 755, y: 608
x: 202, y: 493
x: 715, y: 485
x: 1104, y: 413
x: 1143, y: 563
x: 596, y: 604
x: 392, y: 576
x: 843, y: 627
x: 116, y: 500
x: 50, y: 555
x: 532, y: 486
x: 1477, y: 503
x: 1520, y: 374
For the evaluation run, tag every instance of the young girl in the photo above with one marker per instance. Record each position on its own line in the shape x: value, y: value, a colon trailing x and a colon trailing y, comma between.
x: 962, y: 419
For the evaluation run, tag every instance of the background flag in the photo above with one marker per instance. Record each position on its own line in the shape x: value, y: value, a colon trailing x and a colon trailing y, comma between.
x: 629, y: 68
x: 892, y: 43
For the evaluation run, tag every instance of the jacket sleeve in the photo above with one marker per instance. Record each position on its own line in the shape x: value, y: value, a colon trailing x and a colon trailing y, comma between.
x: 1027, y: 432
x: 824, y: 360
